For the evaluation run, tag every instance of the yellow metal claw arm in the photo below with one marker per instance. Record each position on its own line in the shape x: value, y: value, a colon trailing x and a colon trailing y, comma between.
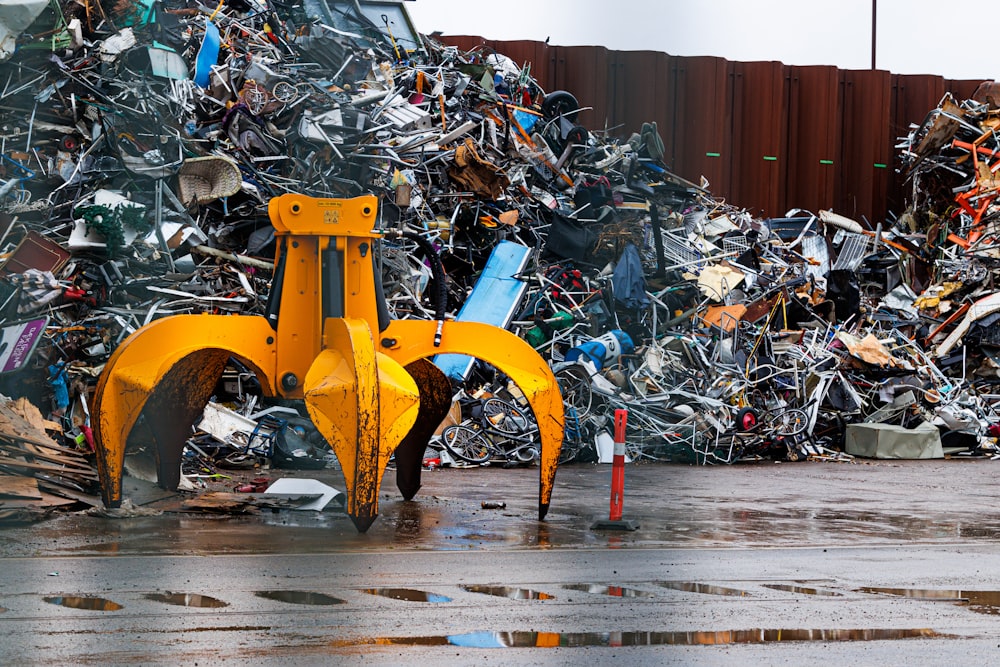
x: 321, y: 341
x: 408, y: 340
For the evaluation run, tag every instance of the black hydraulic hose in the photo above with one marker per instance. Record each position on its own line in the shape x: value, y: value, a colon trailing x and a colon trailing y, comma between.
x: 381, y: 307
x: 277, y: 282
x: 440, y: 296
x: 440, y: 301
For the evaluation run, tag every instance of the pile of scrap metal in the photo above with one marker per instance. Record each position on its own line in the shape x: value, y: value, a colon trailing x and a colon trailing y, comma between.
x: 143, y: 141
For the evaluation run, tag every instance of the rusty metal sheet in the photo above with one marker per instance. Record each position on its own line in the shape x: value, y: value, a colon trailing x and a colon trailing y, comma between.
x: 760, y: 139
x: 463, y: 42
x: 583, y: 70
x: 537, y: 54
x: 867, y: 164
x: 962, y: 89
x: 814, y: 131
x: 721, y: 119
x: 702, y: 131
x: 642, y: 84
x: 913, y: 95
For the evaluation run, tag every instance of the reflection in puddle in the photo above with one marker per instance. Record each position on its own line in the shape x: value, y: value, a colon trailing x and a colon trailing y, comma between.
x: 983, y: 602
x: 755, y: 527
x: 918, y: 593
x: 93, y: 604
x: 408, y: 594
x: 707, y: 589
x: 299, y: 597
x: 613, y: 591
x: 510, y: 592
x: 576, y: 639
x: 799, y: 589
x: 186, y: 599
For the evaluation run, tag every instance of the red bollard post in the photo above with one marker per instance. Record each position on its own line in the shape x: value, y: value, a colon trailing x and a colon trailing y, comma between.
x: 618, y: 467
x: 615, y: 521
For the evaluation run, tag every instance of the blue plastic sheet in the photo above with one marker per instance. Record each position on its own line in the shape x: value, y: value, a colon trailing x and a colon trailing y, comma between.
x: 208, y: 55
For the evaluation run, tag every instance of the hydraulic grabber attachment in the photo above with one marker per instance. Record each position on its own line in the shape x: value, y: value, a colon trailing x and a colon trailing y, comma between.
x: 327, y: 339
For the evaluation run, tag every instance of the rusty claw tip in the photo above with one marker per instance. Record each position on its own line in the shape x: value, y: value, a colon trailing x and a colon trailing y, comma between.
x: 363, y: 523
x: 543, y: 509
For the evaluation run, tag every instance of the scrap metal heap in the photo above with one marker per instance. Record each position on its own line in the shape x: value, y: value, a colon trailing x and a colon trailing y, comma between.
x: 143, y: 141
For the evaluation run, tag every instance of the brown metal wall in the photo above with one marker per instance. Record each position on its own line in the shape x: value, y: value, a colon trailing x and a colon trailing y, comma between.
x: 760, y: 136
x: 583, y: 71
x: 831, y: 132
x: 815, y: 108
x: 913, y: 98
x: 701, y: 139
x: 642, y: 82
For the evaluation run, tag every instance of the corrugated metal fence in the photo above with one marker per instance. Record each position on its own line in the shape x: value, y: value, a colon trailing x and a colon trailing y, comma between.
x: 768, y: 136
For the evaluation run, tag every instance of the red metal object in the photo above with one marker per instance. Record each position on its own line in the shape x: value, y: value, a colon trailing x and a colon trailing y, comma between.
x: 618, y: 467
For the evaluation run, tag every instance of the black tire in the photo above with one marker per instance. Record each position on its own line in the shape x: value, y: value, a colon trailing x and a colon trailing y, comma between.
x: 560, y: 103
x: 746, y: 420
x: 577, y: 135
x: 466, y: 444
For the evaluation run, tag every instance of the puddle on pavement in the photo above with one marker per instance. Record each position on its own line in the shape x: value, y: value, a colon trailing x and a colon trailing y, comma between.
x: 983, y: 602
x: 510, y: 592
x: 767, y: 527
x: 580, y: 639
x: 613, y: 591
x: 186, y: 599
x: 93, y: 604
x: 407, y: 594
x: 800, y: 589
x: 299, y: 597
x: 706, y: 589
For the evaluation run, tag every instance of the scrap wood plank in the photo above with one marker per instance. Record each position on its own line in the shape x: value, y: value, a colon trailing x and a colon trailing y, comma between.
x: 57, y: 494
x: 81, y: 464
x: 46, y: 502
x: 7, y: 462
x: 39, y: 443
x: 13, y: 486
x: 223, y: 502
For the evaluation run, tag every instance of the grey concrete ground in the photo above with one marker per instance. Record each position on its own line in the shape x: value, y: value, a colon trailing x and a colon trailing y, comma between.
x: 766, y: 564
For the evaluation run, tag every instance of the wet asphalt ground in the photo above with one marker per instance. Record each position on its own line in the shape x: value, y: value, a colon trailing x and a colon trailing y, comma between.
x: 872, y: 562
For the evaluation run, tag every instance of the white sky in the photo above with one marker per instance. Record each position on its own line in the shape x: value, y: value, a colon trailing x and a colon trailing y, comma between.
x: 913, y: 36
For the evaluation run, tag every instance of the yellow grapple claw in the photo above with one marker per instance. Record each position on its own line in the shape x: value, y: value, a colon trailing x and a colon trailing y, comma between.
x: 362, y: 407
x: 323, y: 341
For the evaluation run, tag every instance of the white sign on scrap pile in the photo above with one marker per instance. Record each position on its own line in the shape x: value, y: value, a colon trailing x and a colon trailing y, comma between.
x: 18, y: 341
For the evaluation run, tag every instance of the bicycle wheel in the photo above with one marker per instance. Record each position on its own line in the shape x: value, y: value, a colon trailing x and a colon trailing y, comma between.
x: 505, y: 417
x: 572, y: 437
x: 577, y: 393
x: 466, y: 443
x: 792, y: 421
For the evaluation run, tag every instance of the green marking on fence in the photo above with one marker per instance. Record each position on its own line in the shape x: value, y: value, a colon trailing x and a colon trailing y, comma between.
x: 826, y: 161
x: 712, y: 154
x: 770, y: 158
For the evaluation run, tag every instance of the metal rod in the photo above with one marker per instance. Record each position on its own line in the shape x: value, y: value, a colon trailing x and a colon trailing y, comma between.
x: 159, y: 219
